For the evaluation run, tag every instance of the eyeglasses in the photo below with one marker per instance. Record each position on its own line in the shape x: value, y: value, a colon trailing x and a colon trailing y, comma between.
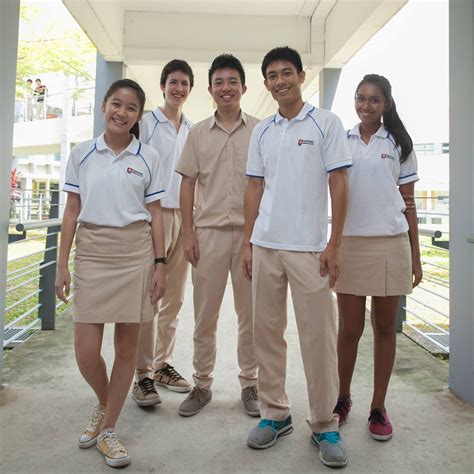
x: 373, y: 100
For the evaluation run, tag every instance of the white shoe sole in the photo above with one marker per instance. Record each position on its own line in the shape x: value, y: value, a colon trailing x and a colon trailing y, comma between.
x: 381, y: 437
x: 283, y: 432
x: 147, y: 403
x: 174, y: 388
x: 326, y: 462
x: 253, y: 413
x: 88, y: 444
x: 120, y: 462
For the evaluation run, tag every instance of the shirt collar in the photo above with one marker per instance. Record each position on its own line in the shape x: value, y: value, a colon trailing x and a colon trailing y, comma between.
x: 381, y: 132
x: 132, y: 148
x: 214, y: 122
x: 305, y: 110
x: 161, y: 117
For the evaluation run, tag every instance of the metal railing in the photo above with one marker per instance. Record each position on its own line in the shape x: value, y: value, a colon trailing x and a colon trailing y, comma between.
x: 31, y: 300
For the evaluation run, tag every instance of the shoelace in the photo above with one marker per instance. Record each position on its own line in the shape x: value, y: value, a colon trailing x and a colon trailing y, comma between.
x: 171, y: 372
x: 251, y: 393
x: 194, y: 393
x: 113, y: 444
x: 274, y: 425
x: 377, y: 417
x: 147, y: 385
x: 96, y: 419
x: 331, y: 437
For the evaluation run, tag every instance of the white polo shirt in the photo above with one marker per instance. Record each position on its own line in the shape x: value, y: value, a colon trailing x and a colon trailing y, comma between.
x: 114, y: 189
x: 375, y: 203
x: 156, y: 130
x: 294, y: 158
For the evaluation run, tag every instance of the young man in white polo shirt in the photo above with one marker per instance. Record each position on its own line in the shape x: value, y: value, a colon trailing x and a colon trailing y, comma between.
x: 166, y: 129
x: 292, y: 156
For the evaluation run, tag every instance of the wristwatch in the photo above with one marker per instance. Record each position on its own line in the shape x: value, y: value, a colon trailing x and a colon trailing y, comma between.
x: 163, y: 260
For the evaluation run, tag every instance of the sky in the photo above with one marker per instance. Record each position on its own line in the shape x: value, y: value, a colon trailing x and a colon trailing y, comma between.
x: 411, y: 50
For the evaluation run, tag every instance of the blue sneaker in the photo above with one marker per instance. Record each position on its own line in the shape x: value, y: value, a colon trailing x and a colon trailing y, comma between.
x: 332, y: 452
x: 266, y: 433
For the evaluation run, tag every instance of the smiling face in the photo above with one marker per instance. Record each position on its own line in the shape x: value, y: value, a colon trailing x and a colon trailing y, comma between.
x: 121, y: 111
x: 226, y: 88
x: 370, y: 104
x: 176, y: 88
x: 284, y: 82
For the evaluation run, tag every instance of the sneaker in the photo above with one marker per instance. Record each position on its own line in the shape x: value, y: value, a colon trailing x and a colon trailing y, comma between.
x: 250, y: 400
x: 89, y: 437
x: 331, y: 448
x: 195, y: 401
x: 171, y: 379
x: 380, y: 427
x: 342, y: 408
x: 266, y: 433
x: 115, y: 453
x: 144, y: 393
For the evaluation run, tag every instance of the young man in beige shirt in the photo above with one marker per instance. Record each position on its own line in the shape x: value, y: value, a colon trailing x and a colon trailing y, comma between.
x: 213, y: 168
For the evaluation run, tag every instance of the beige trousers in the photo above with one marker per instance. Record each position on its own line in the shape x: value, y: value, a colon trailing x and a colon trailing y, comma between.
x: 158, y: 337
x: 220, y: 252
x: 315, y: 316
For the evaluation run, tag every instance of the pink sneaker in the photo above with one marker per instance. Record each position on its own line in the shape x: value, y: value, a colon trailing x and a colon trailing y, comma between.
x: 380, y: 427
x: 342, y: 408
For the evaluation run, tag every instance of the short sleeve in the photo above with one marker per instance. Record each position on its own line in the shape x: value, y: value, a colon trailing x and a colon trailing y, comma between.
x: 146, y: 127
x: 408, y: 170
x: 156, y: 188
x: 71, y: 184
x: 255, y: 167
x: 336, y: 150
x: 188, y: 164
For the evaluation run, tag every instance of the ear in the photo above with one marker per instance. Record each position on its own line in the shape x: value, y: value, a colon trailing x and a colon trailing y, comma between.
x: 388, y: 105
x: 302, y: 76
x: 244, y: 89
x: 162, y: 87
x: 102, y: 107
x: 265, y: 83
x: 209, y: 88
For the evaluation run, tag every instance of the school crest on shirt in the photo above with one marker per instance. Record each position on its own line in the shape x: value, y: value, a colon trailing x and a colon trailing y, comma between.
x: 384, y: 156
x: 135, y: 172
x: 305, y: 142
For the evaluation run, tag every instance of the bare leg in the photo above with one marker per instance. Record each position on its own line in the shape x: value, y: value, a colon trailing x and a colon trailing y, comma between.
x: 351, y: 327
x: 87, y: 344
x: 125, y: 343
x: 383, y: 316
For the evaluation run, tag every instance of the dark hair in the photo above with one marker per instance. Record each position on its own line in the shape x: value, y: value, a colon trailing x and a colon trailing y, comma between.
x: 29, y: 80
x: 36, y: 80
x: 177, y: 65
x: 129, y: 84
x: 282, y: 53
x: 227, y: 61
x: 391, y: 119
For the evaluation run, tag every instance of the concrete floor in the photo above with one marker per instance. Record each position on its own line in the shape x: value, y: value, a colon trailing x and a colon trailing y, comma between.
x: 45, y: 405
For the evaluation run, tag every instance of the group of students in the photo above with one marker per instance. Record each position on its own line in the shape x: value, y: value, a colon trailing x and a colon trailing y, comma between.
x: 249, y: 197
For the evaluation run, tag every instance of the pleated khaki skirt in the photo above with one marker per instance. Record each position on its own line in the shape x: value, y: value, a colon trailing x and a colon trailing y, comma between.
x: 375, y: 266
x: 112, y: 274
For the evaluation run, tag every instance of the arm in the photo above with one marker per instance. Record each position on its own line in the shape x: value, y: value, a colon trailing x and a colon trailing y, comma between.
x: 158, y: 281
x: 68, y: 230
x: 330, y: 258
x: 252, y: 198
x: 407, y: 191
x: 186, y: 201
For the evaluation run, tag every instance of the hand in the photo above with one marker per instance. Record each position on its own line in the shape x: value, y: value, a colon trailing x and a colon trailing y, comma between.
x: 247, y: 261
x: 329, y: 262
x: 417, y: 271
x: 158, y: 283
x: 191, y: 248
x: 63, y: 284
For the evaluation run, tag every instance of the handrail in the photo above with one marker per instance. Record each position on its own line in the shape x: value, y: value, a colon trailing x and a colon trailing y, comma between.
x: 31, y: 225
x: 437, y: 234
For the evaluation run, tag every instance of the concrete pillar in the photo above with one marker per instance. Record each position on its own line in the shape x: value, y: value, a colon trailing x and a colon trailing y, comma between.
x: 328, y: 81
x: 9, y: 21
x: 106, y: 73
x: 461, y: 154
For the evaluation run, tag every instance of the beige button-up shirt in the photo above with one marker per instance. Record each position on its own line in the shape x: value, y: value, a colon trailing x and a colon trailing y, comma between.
x: 217, y: 158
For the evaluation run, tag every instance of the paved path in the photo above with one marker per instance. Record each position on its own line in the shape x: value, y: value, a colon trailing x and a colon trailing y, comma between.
x: 46, y: 404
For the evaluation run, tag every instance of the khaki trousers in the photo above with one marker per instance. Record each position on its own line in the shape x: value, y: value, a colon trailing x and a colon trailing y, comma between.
x: 220, y: 252
x: 315, y: 316
x: 158, y: 337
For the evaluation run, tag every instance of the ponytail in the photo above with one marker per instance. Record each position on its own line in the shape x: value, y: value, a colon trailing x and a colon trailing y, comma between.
x: 135, y: 130
x: 391, y: 119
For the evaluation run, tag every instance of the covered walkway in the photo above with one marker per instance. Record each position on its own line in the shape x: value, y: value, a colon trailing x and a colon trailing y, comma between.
x: 45, y: 404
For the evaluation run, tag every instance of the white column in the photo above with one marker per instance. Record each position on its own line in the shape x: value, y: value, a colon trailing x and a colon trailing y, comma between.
x: 106, y: 73
x: 328, y: 81
x: 461, y: 156
x: 9, y: 21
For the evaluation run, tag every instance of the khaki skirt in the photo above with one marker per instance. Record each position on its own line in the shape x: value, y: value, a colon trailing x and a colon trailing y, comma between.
x: 113, y: 268
x: 375, y: 266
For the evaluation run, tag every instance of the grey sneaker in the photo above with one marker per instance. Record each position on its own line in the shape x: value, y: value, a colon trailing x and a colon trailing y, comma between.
x: 250, y: 400
x: 331, y: 448
x: 145, y: 394
x: 195, y: 401
x: 266, y: 433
